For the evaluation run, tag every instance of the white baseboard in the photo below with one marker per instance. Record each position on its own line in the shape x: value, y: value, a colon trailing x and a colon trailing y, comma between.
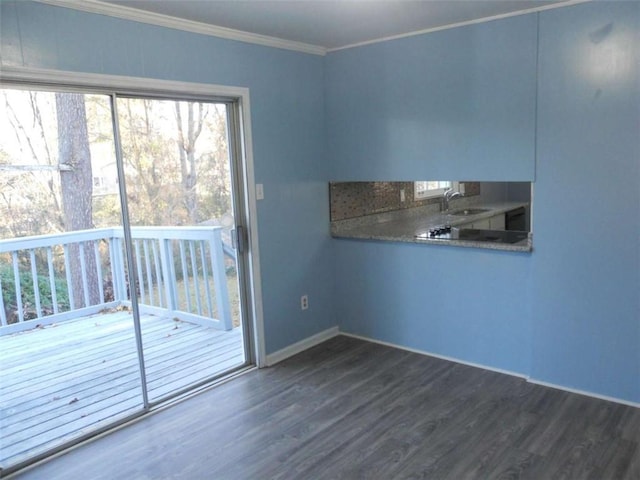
x: 435, y: 355
x: 499, y: 370
x: 301, y: 346
x: 318, y: 338
x: 585, y: 393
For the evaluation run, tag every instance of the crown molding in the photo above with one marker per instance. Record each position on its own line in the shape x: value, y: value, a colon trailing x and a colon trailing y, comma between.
x: 127, y: 13
x: 133, y: 14
x: 460, y: 24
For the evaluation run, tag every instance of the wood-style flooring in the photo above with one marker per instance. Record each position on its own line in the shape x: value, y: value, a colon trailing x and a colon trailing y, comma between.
x: 350, y: 409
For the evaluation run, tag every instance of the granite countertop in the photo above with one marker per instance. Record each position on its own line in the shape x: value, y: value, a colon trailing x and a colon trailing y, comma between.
x: 405, y: 225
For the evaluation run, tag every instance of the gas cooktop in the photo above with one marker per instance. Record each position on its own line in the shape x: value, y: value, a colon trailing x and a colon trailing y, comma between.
x: 446, y: 232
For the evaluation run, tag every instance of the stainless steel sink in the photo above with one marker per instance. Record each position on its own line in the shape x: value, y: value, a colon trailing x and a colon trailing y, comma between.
x: 468, y: 211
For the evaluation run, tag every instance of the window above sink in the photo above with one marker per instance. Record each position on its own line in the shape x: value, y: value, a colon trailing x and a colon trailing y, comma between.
x: 431, y: 189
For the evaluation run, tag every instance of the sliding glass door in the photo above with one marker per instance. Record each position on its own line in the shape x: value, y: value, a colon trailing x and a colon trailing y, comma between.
x: 118, y: 261
x: 180, y: 197
x: 68, y: 357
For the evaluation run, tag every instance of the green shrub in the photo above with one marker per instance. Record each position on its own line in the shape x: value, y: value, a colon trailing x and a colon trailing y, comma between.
x: 27, y: 290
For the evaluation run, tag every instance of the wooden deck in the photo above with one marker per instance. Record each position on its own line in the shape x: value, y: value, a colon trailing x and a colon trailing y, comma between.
x: 62, y: 381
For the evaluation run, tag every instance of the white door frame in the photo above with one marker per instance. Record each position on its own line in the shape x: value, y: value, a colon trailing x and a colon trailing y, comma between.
x: 24, y: 77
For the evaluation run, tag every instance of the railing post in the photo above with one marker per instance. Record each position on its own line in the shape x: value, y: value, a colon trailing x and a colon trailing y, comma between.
x: 139, y: 272
x: 117, y: 269
x: 16, y: 279
x: 98, y: 257
x: 111, y: 247
x: 123, y: 272
x: 168, y: 273
x: 67, y: 273
x: 52, y: 280
x: 34, y: 279
x: 220, y: 279
x: 3, y: 313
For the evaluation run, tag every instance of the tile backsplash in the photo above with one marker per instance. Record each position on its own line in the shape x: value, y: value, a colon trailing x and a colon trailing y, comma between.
x: 357, y: 199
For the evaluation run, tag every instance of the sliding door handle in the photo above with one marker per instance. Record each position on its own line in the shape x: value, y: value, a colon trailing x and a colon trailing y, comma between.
x: 239, y: 238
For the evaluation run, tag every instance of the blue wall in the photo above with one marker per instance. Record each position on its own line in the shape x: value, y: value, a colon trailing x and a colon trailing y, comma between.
x: 469, y: 304
x: 568, y: 313
x: 459, y: 103
x: 586, y: 315
x: 287, y: 109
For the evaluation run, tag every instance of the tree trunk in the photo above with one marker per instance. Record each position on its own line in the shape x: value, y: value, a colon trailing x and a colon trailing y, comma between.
x: 77, y: 188
x: 187, y: 148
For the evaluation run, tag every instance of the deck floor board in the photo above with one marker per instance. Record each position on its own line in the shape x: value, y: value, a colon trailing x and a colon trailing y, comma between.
x: 63, y: 380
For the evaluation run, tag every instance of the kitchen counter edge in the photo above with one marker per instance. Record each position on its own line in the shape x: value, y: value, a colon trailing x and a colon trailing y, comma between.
x: 405, y: 228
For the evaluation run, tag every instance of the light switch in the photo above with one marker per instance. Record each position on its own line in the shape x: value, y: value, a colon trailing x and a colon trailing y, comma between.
x: 259, y: 191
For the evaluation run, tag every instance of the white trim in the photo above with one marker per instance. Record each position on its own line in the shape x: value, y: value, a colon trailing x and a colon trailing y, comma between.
x: 585, y: 393
x: 108, y: 83
x: 435, y: 355
x: 497, y: 370
x: 460, y: 24
x: 254, y: 252
x: 133, y: 14
x: 114, y: 83
x: 301, y: 346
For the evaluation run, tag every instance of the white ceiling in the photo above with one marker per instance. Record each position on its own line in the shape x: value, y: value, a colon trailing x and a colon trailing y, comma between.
x: 332, y: 24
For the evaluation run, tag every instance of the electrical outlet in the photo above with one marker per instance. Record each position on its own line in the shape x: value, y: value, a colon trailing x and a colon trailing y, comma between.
x: 259, y: 191
x: 304, y: 302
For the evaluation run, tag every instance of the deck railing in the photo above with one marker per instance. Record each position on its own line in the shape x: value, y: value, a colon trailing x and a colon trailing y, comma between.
x: 179, y: 272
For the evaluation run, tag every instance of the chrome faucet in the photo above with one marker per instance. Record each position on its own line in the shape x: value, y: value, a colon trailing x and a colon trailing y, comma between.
x: 449, y: 194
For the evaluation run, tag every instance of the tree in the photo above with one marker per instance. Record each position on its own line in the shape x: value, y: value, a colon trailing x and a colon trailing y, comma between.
x: 30, y: 199
x: 175, y: 154
x: 176, y: 161
x: 77, y: 186
x: 187, y: 138
x: 151, y: 173
x: 214, y: 186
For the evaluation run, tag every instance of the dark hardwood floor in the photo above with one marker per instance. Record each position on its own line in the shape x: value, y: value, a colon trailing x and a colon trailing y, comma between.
x: 349, y: 409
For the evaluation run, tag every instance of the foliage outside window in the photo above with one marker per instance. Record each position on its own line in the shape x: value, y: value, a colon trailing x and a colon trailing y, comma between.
x: 431, y: 189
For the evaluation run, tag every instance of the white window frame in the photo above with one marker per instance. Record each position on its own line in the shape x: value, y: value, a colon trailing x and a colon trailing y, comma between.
x: 421, y: 190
